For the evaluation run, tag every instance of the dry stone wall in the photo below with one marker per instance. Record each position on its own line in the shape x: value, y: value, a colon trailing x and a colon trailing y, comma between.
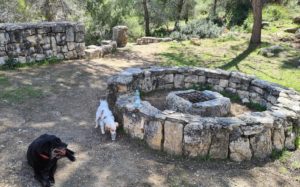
x: 28, y: 42
x: 250, y: 135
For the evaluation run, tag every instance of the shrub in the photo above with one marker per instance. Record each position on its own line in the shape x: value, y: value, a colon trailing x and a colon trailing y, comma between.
x: 199, y: 28
x: 237, y: 11
x: 274, y: 12
x: 11, y: 63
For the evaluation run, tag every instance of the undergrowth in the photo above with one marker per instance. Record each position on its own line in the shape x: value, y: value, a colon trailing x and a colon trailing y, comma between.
x: 12, y: 63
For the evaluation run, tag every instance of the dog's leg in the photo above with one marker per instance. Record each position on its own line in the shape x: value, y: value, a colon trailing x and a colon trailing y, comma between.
x: 96, y: 126
x: 51, y: 173
x: 102, y: 125
x: 40, y: 176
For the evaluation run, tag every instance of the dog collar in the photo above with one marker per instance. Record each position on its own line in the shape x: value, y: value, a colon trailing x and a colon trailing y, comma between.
x: 44, y: 156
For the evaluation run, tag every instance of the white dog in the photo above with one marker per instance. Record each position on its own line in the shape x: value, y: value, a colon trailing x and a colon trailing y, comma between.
x: 106, y: 120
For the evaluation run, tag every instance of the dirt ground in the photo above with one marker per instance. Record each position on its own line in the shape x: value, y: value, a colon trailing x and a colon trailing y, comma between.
x: 66, y: 108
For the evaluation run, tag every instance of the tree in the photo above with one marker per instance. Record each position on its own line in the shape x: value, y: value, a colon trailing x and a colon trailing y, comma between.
x: 146, y: 18
x: 179, y: 7
x: 257, y: 24
x: 215, y: 7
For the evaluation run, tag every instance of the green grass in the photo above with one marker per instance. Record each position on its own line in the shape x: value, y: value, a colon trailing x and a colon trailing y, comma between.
x: 12, y: 64
x: 295, y: 165
x: 235, y: 55
x: 3, y: 81
x: 282, y: 156
x: 19, y: 95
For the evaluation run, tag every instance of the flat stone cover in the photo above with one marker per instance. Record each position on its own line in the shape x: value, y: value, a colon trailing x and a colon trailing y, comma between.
x: 204, y: 103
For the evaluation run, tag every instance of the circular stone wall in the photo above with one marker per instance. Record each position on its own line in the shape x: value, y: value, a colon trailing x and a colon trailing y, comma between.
x: 204, y: 103
x: 250, y: 135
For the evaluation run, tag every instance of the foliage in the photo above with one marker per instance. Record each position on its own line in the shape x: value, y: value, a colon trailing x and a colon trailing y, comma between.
x: 282, y: 155
x: 274, y: 12
x: 10, y: 63
x: 203, y: 28
x: 237, y: 11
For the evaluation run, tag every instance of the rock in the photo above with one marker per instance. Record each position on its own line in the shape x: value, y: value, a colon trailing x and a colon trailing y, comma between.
x: 70, y: 34
x: 120, y: 35
x: 265, y: 24
x: 153, y: 134
x: 290, y: 138
x: 93, y: 53
x: 291, y: 30
x: 278, y: 139
x: 261, y: 144
x: 240, y: 149
x: 219, y: 144
x: 296, y: 20
x: 271, y: 51
x: 197, y: 140
x: 245, y: 100
x: 133, y: 125
x: 179, y: 81
x: 79, y: 37
x: 173, y: 137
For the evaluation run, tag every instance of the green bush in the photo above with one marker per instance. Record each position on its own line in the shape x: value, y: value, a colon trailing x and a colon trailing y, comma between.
x: 10, y: 64
x: 136, y: 29
x: 237, y: 11
x: 203, y: 28
x: 274, y: 12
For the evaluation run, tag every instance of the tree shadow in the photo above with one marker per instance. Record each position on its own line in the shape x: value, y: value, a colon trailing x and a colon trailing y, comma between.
x: 234, y: 62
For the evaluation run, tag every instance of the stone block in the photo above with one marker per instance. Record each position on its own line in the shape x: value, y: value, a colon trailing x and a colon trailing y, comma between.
x: 240, y: 149
x: 120, y: 35
x: 154, y: 134
x: 219, y: 144
x: 191, y: 79
x: 70, y: 34
x: 179, y: 81
x: 261, y: 144
x: 278, y: 138
x: 173, y: 137
x: 197, y: 140
x: 133, y: 124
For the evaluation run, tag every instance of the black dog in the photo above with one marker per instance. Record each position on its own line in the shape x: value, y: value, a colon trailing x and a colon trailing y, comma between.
x: 42, y: 155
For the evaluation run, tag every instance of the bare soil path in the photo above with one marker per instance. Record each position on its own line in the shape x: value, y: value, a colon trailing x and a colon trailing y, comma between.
x: 66, y: 107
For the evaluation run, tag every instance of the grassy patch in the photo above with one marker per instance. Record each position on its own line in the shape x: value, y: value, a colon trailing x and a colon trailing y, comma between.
x: 12, y: 64
x: 235, y: 55
x: 256, y: 106
x: 283, y: 170
x: 3, y: 81
x: 19, y: 95
x: 295, y: 165
x: 282, y: 156
x: 231, y: 96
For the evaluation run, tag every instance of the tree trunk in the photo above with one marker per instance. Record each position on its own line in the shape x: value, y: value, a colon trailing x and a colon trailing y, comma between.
x: 179, y: 7
x: 215, y: 7
x: 146, y: 18
x: 256, y: 29
x: 48, y: 10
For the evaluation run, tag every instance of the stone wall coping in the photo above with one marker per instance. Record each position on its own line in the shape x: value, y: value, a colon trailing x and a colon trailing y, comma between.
x: 38, y: 25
